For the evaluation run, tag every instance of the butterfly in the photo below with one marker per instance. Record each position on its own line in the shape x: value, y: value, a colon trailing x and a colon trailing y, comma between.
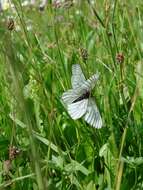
x: 78, y: 100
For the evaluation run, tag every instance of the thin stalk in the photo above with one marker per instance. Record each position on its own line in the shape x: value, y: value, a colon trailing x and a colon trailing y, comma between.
x: 17, y: 82
x: 113, y: 28
x: 106, y: 32
x: 120, y: 164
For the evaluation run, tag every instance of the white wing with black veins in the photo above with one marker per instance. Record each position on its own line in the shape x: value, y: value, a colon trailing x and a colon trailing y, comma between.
x: 77, y: 104
x: 78, y: 77
x: 92, y: 115
x: 90, y: 83
x: 71, y: 95
x: 78, y: 109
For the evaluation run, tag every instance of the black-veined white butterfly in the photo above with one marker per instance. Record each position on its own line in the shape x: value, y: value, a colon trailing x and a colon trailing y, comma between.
x: 78, y: 99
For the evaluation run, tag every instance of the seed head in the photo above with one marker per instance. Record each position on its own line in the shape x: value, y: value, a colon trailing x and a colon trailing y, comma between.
x: 120, y: 58
x: 84, y: 54
x: 10, y: 24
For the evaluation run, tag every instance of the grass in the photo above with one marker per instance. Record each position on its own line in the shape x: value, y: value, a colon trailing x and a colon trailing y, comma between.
x: 41, y: 147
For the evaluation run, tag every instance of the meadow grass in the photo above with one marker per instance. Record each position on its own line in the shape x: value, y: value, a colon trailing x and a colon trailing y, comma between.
x: 41, y: 147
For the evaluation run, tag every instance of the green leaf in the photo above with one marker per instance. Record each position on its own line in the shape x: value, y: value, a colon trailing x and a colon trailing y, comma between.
x: 75, y: 166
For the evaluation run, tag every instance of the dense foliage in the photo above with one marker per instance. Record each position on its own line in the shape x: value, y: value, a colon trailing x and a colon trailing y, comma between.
x: 41, y: 147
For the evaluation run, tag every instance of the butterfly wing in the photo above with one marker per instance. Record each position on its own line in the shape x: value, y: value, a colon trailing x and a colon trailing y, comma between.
x: 81, y: 86
x: 71, y: 95
x: 92, y: 115
x: 78, y: 77
x: 90, y: 83
x: 78, y: 109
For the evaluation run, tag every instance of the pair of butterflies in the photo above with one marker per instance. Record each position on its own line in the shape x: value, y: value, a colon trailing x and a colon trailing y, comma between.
x: 78, y: 100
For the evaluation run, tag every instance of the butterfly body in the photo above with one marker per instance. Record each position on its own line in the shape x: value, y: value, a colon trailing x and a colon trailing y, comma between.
x: 78, y: 100
x: 83, y: 96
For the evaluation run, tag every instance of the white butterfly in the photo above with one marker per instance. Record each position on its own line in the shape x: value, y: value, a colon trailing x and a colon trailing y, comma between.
x: 78, y: 100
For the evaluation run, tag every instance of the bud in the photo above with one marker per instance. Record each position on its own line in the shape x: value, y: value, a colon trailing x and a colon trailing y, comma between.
x: 120, y: 58
x: 10, y: 24
x: 84, y: 54
x: 13, y: 152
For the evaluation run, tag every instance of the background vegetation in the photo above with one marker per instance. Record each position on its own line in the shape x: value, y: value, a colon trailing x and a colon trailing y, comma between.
x: 41, y: 147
